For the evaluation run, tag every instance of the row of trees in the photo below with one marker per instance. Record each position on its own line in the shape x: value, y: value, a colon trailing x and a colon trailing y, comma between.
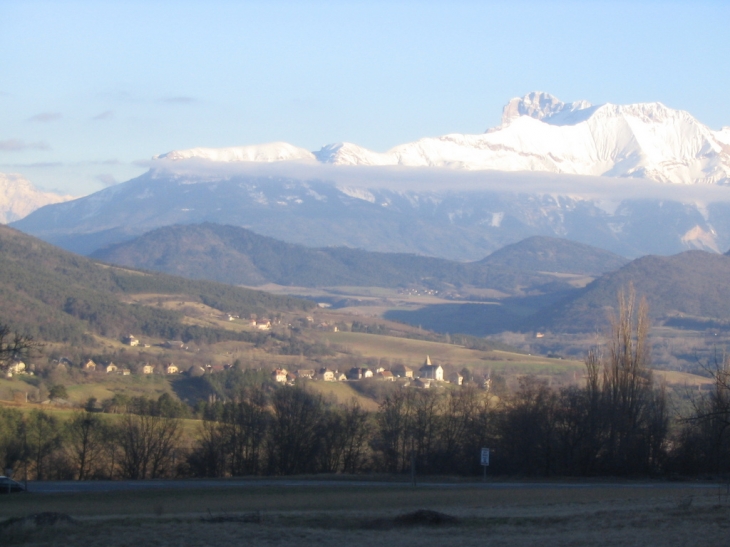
x: 615, y: 426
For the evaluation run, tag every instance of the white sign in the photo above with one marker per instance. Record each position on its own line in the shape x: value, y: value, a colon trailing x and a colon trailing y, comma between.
x: 485, y: 457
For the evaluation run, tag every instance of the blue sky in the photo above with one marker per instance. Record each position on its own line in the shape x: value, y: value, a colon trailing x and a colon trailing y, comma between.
x: 88, y: 90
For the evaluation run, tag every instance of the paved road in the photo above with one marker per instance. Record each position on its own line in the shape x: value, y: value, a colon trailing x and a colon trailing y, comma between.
x: 52, y: 487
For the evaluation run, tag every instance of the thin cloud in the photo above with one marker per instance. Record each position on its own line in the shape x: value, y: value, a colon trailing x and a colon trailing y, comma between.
x: 444, y: 180
x: 35, y: 165
x: 45, y: 164
x: 107, y: 179
x: 106, y: 115
x: 179, y: 100
x: 45, y: 117
x: 16, y: 145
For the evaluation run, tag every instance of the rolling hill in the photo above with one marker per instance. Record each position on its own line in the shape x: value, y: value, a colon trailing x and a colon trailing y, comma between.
x: 230, y: 254
x: 692, y: 285
x: 551, y: 254
x: 55, y: 295
x: 687, y: 290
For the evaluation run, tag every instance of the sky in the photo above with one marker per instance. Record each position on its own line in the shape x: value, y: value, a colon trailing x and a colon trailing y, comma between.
x: 91, y: 90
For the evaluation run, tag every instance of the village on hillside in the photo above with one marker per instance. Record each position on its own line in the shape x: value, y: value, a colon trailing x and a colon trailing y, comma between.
x: 424, y: 377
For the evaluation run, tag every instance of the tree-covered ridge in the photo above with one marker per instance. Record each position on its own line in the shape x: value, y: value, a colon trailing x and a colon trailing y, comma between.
x: 693, y: 283
x: 551, y: 254
x: 235, y: 255
x: 56, y: 295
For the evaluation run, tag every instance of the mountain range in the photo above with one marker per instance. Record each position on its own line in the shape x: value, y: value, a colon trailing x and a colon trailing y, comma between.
x: 540, y: 133
x: 457, y: 197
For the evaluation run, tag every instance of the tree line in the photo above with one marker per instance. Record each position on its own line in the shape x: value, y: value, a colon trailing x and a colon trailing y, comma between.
x: 617, y: 426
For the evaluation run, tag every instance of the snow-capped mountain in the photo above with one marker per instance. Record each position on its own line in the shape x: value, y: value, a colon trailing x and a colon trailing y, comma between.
x: 540, y: 133
x: 545, y: 170
x: 19, y: 198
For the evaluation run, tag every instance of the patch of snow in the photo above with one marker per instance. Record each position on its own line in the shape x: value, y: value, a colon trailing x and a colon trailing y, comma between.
x: 357, y: 193
x: 699, y: 238
x: 275, y: 151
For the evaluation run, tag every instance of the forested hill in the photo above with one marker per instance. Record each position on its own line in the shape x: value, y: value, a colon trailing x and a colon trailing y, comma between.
x: 552, y: 254
x: 56, y: 295
x: 235, y: 255
x: 691, y: 286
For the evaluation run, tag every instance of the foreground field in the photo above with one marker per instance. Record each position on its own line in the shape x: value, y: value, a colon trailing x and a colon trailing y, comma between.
x: 339, y: 515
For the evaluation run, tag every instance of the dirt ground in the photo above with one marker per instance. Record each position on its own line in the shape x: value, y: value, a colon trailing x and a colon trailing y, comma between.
x: 382, y: 516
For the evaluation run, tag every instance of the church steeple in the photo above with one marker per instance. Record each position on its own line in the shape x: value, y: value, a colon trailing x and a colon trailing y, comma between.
x: 428, y: 361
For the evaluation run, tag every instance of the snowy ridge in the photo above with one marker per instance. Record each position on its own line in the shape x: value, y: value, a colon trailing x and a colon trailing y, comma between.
x: 19, y: 198
x: 541, y: 133
x: 275, y: 151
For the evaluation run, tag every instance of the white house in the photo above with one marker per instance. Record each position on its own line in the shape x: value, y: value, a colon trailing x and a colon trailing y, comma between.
x: 279, y: 375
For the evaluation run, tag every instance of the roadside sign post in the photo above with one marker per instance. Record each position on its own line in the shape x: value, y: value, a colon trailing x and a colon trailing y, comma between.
x: 485, y: 462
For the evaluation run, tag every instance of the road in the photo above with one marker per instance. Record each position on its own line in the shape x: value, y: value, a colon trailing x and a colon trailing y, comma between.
x: 54, y: 487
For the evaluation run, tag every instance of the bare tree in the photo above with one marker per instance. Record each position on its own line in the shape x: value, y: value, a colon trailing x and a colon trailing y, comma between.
x: 12, y: 433
x: 43, y: 439
x: 706, y: 436
x: 393, y: 439
x: 293, y: 440
x: 627, y: 415
x: 147, y: 445
x: 85, y: 443
x: 14, y: 346
x: 243, y: 429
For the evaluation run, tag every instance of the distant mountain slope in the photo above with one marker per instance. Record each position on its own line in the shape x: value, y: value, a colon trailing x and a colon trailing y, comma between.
x: 58, y: 296
x: 550, y: 254
x: 235, y: 255
x: 452, y: 222
x: 693, y: 283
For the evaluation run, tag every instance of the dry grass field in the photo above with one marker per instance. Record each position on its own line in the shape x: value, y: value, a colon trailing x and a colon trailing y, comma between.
x: 412, y: 353
x: 344, y: 393
x: 338, y: 515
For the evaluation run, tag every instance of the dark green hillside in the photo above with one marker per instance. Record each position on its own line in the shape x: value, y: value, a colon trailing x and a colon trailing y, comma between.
x: 693, y: 283
x: 550, y: 254
x: 235, y: 255
x: 59, y: 296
